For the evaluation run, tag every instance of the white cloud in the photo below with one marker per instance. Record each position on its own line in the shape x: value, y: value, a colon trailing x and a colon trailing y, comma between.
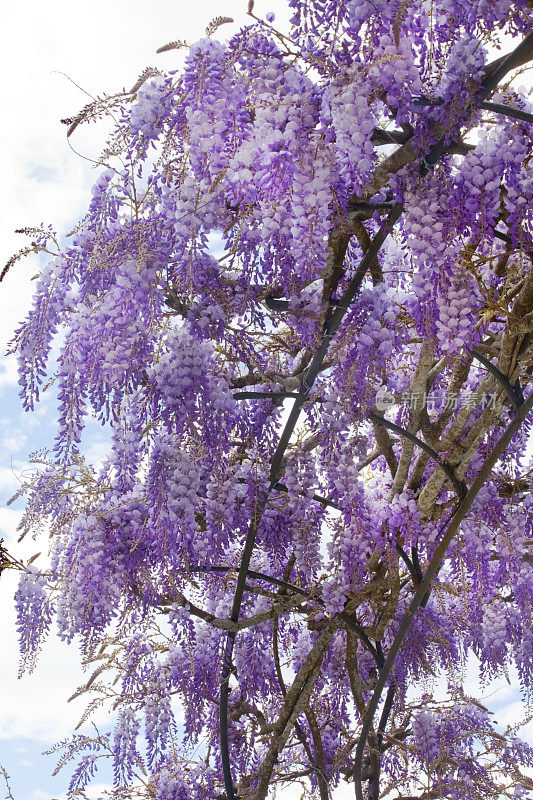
x: 10, y: 476
x: 93, y: 792
x: 12, y: 439
x: 513, y: 714
x: 8, y: 372
x: 97, y: 450
x: 38, y: 794
x: 97, y: 790
x: 9, y: 519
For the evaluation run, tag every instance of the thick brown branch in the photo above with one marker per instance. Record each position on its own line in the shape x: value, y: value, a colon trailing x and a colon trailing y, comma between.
x: 296, y: 699
x: 286, y: 604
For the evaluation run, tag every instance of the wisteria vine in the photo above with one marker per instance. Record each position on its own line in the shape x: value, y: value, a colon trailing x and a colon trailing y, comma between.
x: 301, y: 307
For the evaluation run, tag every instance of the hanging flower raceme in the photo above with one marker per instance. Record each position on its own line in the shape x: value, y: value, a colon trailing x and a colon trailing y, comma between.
x: 33, y: 340
x: 34, y: 615
x: 188, y: 387
x: 216, y: 108
x: 99, y: 562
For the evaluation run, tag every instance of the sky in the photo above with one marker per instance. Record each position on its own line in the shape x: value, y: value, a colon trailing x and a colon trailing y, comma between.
x: 53, y: 55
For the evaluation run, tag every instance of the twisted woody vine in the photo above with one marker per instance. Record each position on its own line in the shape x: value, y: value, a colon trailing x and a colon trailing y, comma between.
x: 293, y: 243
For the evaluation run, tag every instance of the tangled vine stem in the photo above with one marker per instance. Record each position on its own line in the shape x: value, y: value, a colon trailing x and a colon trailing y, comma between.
x: 498, y: 108
x: 376, y: 654
x: 448, y: 530
x: 521, y: 54
x: 275, y: 473
x: 514, y: 392
x: 459, y: 486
